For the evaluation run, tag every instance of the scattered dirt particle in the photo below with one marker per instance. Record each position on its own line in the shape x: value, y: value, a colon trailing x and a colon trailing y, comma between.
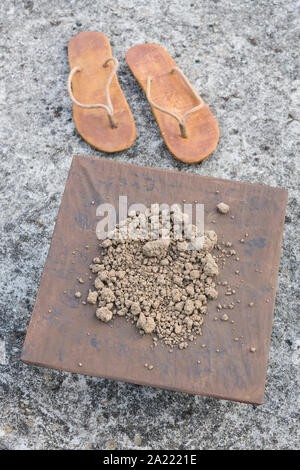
x: 252, y: 349
x: 92, y: 297
x: 223, y: 208
x: 78, y: 295
x: 138, y: 440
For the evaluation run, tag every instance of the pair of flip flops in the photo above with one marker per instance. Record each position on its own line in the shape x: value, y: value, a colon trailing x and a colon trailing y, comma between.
x: 102, y: 115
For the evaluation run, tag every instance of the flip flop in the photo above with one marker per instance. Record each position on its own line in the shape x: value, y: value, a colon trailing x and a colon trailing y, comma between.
x: 109, y: 125
x: 196, y: 133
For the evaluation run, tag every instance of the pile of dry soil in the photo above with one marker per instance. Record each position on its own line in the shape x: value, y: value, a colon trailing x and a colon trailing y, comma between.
x: 163, y: 285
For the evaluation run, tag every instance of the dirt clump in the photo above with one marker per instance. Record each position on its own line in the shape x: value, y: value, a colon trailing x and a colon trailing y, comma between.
x: 223, y: 208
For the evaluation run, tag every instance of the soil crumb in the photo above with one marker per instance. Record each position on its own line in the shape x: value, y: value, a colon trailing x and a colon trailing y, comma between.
x: 223, y: 208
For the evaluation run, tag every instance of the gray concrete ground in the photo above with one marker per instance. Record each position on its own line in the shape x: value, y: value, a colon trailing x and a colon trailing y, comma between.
x: 243, y: 56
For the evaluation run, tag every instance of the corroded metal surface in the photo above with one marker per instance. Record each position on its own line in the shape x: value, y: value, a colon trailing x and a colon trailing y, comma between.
x: 64, y: 334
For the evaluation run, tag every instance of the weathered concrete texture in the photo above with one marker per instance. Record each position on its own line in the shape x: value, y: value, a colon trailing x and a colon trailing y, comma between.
x: 243, y: 56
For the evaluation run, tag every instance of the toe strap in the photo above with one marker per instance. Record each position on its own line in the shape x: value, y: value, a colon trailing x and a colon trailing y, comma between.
x: 107, y: 107
x: 179, y: 119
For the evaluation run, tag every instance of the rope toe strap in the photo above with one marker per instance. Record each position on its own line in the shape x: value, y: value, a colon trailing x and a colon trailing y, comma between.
x: 180, y: 119
x: 109, y: 107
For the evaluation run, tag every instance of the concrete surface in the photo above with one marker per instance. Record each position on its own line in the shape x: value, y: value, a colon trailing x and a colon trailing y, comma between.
x: 243, y: 56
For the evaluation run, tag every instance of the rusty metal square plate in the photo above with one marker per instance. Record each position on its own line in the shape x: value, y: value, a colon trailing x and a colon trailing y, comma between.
x: 64, y: 334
